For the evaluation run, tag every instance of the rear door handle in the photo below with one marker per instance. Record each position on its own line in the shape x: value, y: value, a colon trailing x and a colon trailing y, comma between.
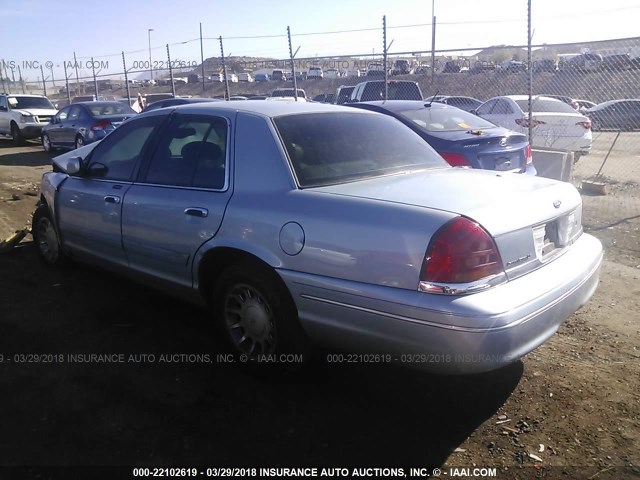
x: 112, y: 199
x: 196, y: 212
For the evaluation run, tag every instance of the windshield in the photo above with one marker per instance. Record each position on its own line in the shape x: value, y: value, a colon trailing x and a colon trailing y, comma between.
x: 446, y: 119
x: 105, y: 109
x: 287, y: 92
x: 395, y: 91
x: 545, y: 105
x: 18, y: 102
x: 331, y: 148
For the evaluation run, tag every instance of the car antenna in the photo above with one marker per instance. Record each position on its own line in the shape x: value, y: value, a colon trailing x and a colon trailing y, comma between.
x: 432, y: 99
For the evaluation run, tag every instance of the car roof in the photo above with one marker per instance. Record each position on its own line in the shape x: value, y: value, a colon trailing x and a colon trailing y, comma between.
x: 395, y: 105
x: 98, y: 103
x: 268, y: 109
x: 23, y: 95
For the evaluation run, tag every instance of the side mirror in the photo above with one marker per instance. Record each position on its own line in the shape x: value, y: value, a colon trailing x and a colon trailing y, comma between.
x: 74, y: 166
x: 97, y: 170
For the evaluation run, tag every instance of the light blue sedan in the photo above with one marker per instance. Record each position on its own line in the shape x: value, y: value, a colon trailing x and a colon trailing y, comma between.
x: 304, y: 223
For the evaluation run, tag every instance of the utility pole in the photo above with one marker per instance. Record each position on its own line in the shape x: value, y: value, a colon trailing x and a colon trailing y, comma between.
x: 173, y: 85
x: 75, y: 61
x: 530, y: 72
x: 126, y: 78
x: 384, y: 57
x: 44, y: 81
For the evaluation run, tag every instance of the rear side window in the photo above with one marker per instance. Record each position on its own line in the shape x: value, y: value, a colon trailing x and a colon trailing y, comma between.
x: 331, y: 148
x: 395, y: 91
x: 191, y: 153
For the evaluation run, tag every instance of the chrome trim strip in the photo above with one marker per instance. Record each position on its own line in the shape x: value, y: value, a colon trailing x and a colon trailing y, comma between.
x: 455, y: 327
x: 462, y: 288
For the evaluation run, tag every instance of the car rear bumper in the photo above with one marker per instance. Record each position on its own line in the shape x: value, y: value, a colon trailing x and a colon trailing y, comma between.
x: 449, y: 334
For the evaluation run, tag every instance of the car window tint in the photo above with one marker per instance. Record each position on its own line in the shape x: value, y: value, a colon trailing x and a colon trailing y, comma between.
x: 121, y: 149
x: 445, y: 119
x: 486, y: 107
x: 62, y: 114
x: 191, y: 153
x: 74, y: 113
x: 545, y: 105
x: 502, y: 107
x: 330, y: 148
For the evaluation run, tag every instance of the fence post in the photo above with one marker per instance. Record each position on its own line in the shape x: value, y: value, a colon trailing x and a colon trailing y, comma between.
x: 44, y: 81
x: 384, y: 56
x: 293, y: 67
x: 173, y: 85
x: 433, y: 40
x: 224, y: 72
x: 21, y: 80
x: 529, y: 73
x: 66, y: 81
x: 202, y: 58
x: 126, y: 79
x: 95, y: 82
x: 4, y: 87
x: 75, y: 61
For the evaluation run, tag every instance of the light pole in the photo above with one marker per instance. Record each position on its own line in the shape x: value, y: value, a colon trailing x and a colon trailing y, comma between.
x: 150, y: 64
x: 433, y: 38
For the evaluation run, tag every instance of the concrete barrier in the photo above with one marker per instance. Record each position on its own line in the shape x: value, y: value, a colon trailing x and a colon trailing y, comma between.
x: 556, y: 164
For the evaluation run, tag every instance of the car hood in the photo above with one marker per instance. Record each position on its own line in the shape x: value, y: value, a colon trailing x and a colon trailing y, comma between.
x: 40, y: 112
x: 501, y: 203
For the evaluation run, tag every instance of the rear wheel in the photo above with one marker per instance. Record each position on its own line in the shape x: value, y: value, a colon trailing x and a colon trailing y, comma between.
x: 260, y: 319
x: 46, y: 237
x: 46, y: 143
x: 16, y: 135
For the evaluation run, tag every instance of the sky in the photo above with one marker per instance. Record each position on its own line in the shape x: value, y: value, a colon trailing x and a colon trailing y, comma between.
x: 35, y: 33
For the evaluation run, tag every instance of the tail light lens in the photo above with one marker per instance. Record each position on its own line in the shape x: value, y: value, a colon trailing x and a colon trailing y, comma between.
x: 524, y: 122
x: 586, y: 124
x: 101, y: 125
x: 455, y: 159
x: 529, y: 155
x: 461, y: 251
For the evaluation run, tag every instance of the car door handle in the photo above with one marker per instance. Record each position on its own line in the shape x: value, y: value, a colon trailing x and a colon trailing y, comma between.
x: 112, y: 199
x: 196, y: 212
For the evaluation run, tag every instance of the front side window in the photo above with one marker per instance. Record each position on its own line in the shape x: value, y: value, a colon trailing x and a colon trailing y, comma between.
x: 502, y: 107
x: 191, y: 153
x: 117, y: 155
x: 332, y: 148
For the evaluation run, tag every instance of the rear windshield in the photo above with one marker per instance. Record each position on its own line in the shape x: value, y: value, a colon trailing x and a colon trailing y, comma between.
x: 331, y: 148
x: 106, y: 109
x: 546, y: 105
x: 18, y: 102
x: 446, y: 119
x: 395, y: 91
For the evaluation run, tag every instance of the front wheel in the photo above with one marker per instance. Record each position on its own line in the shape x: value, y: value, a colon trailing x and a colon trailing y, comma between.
x: 46, y: 143
x: 46, y: 237
x: 79, y: 141
x: 16, y: 135
x: 260, y: 318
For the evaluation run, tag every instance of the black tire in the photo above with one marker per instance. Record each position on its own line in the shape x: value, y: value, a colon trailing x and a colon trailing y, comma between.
x: 260, y: 320
x: 16, y: 135
x: 46, y: 238
x: 79, y: 142
x: 46, y: 143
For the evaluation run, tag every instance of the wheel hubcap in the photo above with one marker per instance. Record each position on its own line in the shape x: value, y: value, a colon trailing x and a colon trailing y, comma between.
x: 47, y: 240
x: 249, y: 321
x: 79, y: 142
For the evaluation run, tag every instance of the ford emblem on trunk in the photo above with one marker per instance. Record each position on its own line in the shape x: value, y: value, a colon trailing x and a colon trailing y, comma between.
x: 503, y: 142
x: 557, y: 203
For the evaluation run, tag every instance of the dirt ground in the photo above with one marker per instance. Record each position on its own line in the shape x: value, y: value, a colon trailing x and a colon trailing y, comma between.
x: 570, y: 409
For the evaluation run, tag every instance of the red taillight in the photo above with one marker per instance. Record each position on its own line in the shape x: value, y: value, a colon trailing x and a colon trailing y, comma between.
x: 461, y: 251
x: 101, y: 125
x: 529, y: 154
x: 585, y: 124
x: 524, y: 122
x: 455, y: 159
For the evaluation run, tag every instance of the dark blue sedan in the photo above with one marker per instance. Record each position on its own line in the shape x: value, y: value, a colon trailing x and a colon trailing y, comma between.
x: 82, y: 123
x: 461, y: 138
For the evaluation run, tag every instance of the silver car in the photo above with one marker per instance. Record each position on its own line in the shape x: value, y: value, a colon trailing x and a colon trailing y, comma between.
x: 306, y: 223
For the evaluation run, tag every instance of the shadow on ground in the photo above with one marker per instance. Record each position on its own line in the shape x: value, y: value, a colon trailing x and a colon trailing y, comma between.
x: 200, y: 413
